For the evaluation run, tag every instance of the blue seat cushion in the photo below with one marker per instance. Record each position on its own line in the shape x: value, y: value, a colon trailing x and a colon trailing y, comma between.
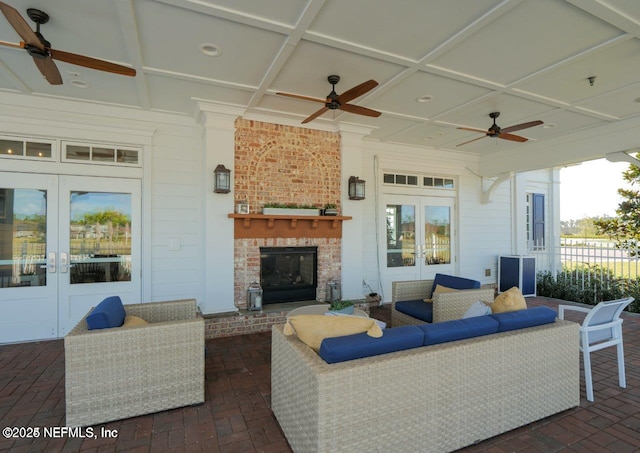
x: 109, y: 313
x: 359, y: 345
x: 459, y: 329
x: 418, y: 309
x: 451, y: 281
x: 521, y: 319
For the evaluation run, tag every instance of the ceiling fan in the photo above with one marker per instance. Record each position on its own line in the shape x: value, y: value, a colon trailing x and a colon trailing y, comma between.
x: 503, y: 133
x: 335, y: 101
x: 40, y: 49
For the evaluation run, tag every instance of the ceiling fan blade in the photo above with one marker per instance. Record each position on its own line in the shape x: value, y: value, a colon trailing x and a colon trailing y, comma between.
x: 92, y: 63
x: 471, y: 140
x: 512, y: 137
x: 315, y: 115
x: 518, y: 127
x: 20, y: 25
x: 10, y: 44
x: 304, y: 98
x: 49, y: 70
x: 356, y: 91
x: 359, y: 110
x: 482, y: 131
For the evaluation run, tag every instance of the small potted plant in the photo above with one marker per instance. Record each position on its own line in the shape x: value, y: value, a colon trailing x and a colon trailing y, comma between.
x: 290, y: 209
x: 330, y: 209
x: 344, y: 307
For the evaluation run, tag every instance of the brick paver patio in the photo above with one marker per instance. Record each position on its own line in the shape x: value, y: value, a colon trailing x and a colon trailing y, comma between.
x: 236, y: 415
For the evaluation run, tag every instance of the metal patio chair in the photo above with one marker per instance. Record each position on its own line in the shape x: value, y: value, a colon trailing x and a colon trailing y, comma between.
x: 601, y: 328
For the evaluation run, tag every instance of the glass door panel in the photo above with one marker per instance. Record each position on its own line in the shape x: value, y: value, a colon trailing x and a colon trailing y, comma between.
x: 437, y: 235
x: 23, y: 237
x: 100, y: 237
x: 401, y: 237
x: 28, y: 244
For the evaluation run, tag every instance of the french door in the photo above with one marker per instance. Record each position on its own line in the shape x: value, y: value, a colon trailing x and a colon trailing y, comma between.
x: 418, y: 238
x: 66, y: 242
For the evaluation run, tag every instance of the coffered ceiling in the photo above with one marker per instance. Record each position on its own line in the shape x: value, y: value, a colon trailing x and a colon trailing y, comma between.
x: 528, y: 59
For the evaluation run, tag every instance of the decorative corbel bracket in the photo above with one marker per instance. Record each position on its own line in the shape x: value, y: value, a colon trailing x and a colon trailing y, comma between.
x: 488, y: 194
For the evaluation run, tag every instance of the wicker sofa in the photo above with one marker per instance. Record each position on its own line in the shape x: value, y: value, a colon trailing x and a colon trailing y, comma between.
x: 429, y: 399
x: 446, y: 306
x: 116, y: 373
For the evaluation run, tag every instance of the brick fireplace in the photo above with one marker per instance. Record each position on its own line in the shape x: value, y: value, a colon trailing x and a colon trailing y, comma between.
x: 287, y: 165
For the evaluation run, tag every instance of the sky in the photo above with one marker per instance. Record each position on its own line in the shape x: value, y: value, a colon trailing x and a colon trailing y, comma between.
x: 591, y: 189
x: 28, y: 202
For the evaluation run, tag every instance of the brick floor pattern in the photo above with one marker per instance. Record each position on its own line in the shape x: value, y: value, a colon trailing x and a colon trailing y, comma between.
x: 236, y: 415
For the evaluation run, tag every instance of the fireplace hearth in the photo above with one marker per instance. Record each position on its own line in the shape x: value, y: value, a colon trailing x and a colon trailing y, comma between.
x: 288, y: 274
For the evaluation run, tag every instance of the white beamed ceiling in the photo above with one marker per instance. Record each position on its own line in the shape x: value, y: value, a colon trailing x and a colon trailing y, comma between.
x: 528, y: 59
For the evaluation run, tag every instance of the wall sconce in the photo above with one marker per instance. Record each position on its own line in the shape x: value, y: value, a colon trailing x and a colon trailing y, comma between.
x: 222, y: 179
x: 356, y: 188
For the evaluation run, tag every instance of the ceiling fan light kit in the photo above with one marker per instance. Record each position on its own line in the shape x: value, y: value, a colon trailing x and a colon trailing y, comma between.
x: 43, y: 54
x: 335, y: 101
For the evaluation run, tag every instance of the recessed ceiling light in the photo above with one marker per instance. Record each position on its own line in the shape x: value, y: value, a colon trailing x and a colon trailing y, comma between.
x: 424, y: 98
x: 548, y: 126
x: 79, y: 84
x: 210, y: 50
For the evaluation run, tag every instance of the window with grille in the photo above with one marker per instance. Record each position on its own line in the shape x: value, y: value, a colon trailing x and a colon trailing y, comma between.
x: 101, y: 154
x: 408, y: 180
x: 20, y: 148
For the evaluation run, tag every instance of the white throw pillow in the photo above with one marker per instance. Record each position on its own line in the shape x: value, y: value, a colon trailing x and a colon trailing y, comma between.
x: 478, y: 308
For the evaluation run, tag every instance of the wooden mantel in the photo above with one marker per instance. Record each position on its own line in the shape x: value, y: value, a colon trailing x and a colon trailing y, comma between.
x: 284, y: 226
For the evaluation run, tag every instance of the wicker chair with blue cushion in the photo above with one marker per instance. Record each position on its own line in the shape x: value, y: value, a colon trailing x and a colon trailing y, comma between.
x: 115, y: 371
x: 409, y: 306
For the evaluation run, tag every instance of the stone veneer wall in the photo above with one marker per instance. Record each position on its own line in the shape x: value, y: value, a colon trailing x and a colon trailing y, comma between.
x: 288, y: 165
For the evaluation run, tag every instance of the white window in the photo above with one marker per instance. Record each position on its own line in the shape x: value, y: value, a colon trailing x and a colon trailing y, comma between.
x: 535, y: 221
x: 428, y: 181
x: 20, y: 148
x: 101, y: 154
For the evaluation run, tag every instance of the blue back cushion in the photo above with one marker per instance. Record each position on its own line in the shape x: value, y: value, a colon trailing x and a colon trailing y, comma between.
x: 357, y: 346
x: 451, y: 281
x: 459, y: 329
x: 520, y: 319
x: 108, y: 313
x: 418, y: 309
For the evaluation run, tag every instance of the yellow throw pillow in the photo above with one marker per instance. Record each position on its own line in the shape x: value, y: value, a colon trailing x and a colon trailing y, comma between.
x: 312, y: 329
x: 510, y: 300
x: 439, y: 290
x: 132, y: 321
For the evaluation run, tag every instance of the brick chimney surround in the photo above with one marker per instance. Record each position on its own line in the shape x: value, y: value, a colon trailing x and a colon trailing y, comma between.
x: 287, y: 165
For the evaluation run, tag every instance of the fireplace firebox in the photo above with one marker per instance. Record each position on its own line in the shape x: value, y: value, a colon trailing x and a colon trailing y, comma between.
x: 288, y: 274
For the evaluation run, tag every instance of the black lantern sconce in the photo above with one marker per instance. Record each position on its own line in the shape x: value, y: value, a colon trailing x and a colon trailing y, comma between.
x: 222, y: 179
x: 356, y: 188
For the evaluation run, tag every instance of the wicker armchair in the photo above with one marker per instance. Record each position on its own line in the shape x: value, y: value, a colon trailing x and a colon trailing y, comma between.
x: 111, y: 374
x: 446, y: 306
